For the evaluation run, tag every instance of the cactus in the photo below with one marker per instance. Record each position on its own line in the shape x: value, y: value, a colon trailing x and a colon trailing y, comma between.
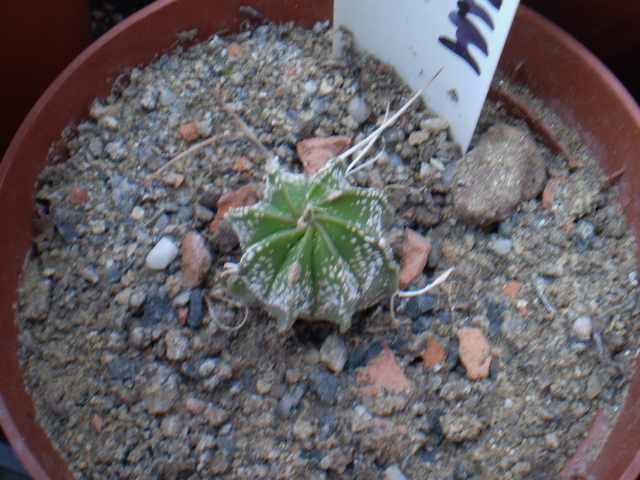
x: 314, y: 248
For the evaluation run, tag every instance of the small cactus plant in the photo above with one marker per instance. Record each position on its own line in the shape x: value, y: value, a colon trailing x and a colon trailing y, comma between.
x: 314, y: 248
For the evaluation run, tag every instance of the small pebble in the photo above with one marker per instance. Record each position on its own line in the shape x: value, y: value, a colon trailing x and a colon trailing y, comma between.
x: 394, y: 473
x: 189, y: 132
x: 149, y: 98
x: 582, y: 328
x: 182, y: 299
x: 137, y: 213
x: 166, y: 97
x: 195, y: 405
x: 116, y: 151
x: 236, y: 78
x: 160, y: 256
x: 177, y: 345
x: 310, y: 87
x: 333, y: 353
x: 434, y: 125
x: 501, y: 246
x: 325, y: 87
x: 359, y: 109
x: 98, y: 227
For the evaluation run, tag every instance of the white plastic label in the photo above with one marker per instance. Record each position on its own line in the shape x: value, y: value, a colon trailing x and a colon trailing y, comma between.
x: 419, y: 37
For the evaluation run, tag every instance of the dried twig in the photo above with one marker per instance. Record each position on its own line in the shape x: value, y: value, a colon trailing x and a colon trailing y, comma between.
x: 241, y: 123
x: 189, y: 151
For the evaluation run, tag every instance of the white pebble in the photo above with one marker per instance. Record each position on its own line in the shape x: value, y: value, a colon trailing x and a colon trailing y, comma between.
x: 167, y: 97
x: 358, y: 109
x: 162, y: 254
x: 582, y: 327
x: 137, y: 213
x: 325, y: 87
x: 310, y: 87
x: 394, y: 473
x: 237, y: 78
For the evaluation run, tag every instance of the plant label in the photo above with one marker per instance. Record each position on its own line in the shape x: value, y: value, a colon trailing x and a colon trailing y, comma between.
x: 420, y: 37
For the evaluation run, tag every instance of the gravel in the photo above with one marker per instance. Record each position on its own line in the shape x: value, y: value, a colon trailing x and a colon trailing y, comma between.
x: 179, y: 395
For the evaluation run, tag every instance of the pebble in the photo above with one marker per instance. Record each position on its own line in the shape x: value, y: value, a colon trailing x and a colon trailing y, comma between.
x: 39, y: 304
x: 521, y: 468
x: 505, y: 169
x: 310, y: 87
x: 236, y: 78
x: 358, y: 109
x: 420, y: 305
x: 170, y: 426
x: 433, y: 354
x: 595, y: 384
x: 325, y: 385
x: 189, y: 131
x: 393, y: 472
x: 90, y: 275
x: 202, y: 213
x: 161, y: 395
x: 302, y: 429
x: 475, y: 352
x: 315, y: 152
x: 206, y: 442
x: 514, y: 330
x: 195, y: 405
x: 215, y: 415
x: 435, y: 124
x: 149, y: 98
x: 244, y: 196
x: 162, y: 254
x: 501, y: 246
x: 140, y: 337
x: 196, y: 308
x: 196, y: 259
x: 98, y: 227
x: 459, y: 426
x: 96, y: 146
x: 137, y: 299
x: 383, y: 372
x: 333, y: 353
x: 552, y: 441
x: 177, y: 345
x: 137, y: 213
x: 415, y: 252
x: 116, y: 151
x: 418, y: 138
x: 325, y: 87
x: 582, y: 328
x: 109, y: 122
x: 166, y: 97
x: 290, y: 400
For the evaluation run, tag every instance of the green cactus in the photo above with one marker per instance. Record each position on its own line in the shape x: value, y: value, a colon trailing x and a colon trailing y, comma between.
x: 314, y: 248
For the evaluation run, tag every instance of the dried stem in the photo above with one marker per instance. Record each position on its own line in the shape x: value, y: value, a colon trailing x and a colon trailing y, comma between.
x: 241, y: 123
x: 189, y: 151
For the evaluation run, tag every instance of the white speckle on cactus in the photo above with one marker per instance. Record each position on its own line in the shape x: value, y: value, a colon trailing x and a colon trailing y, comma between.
x: 162, y: 254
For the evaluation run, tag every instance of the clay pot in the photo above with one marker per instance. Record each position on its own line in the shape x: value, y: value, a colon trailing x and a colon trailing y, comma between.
x: 40, y: 38
x: 583, y: 92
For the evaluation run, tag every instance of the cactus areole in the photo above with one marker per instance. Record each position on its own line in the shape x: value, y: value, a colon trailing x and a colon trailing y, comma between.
x: 314, y: 248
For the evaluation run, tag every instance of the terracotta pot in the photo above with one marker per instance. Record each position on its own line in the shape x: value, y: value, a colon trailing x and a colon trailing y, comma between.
x: 39, y: 39
x: 557, y: 68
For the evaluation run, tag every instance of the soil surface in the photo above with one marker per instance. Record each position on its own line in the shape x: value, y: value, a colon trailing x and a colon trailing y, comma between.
x: 497, y: 374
